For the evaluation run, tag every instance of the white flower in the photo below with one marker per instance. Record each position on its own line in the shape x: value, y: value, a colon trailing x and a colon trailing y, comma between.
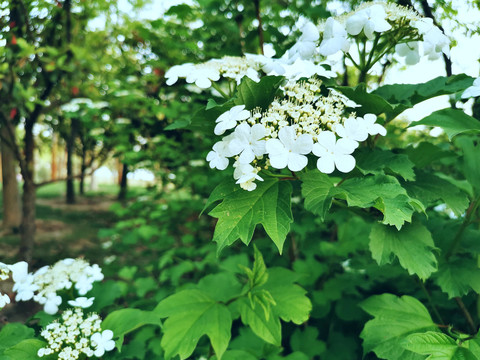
x: 177, y: 71
x: 23, y: 281
x: 306, y: 44
x: 410, y: 51
x: 472, y: 91
x: 305, y: 69
x: 4, y: 271
x: 102, y: 342
x: 4, y: 300
x: 434, y: 43
x: 52, y: 302
x: 94, y: 272
x: 82, y: 302
x: 370, y: 20
x: 352, y: 130
x: 333, y: 153
x: 217, y: 158
x: 368, y: 123
x: 423, y: 25
x: 246, y: 174
x: 228, y: 120
x: 334, y: 38
x: 84, y: 284
x: 247, y: 141
x: 288, y: 150
x: 202, y: 76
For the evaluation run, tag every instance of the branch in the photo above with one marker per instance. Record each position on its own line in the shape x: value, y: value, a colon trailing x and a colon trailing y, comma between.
x: 427, y: 10
x: 466, y: 314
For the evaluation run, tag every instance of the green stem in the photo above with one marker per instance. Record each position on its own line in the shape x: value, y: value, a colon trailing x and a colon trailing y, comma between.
x: 353, y: 61
x: 458, y: 236
x: 216, y: 87
x: 372, y: 51
x: 430, y: 301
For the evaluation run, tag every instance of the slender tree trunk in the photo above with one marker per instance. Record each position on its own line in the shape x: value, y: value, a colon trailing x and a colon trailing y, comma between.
x: 70, y: 148
x: 27, y: 228
x: 83, y: 169
x: 11, y: 198
x: 122, y: 195
x: 53, y: 172
x: 260, y: 25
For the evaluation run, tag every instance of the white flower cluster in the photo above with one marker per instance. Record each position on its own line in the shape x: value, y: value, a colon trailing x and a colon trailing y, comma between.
x: 404, y: 26
x: 43, y: 285
x: 4, y: 275
x: 75, y: 335
x: 74, y: 104
x: 301, y: 123
x: 231, y: 67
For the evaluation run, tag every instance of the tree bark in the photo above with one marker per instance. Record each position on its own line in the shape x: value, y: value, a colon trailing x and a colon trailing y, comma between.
x: 83, y: 168
x: 122, y: 195
x: 11, y: 199
x: 27, y: 228
x: 53, y: 170
x: 260, y: 26
x: 70, y: 177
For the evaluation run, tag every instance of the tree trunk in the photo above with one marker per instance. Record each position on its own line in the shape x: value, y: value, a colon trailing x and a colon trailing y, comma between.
x: 53, y: 170
x: 27, y: 228
x: 122, y: 195
x: 70, y: 148
x: 11, y: 199
x: 83, y: 168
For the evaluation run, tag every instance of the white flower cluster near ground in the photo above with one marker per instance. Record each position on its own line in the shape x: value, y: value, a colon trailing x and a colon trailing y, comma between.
x: 43, y: 285
x: 4, y: 275
x: 74, y: 335
x: 302, y: 122
x: 385, y: 23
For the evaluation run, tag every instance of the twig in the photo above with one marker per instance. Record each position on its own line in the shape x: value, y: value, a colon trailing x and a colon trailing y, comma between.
x: 466, y: 314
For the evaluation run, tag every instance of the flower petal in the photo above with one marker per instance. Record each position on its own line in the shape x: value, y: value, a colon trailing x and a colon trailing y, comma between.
x: 326, y: 164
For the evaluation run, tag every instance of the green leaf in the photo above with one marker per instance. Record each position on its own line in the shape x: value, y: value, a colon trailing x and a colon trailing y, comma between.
x: 377, y: 160
x: 474, y: 346
x: 471, y: 156
x: 412, y: 245
x: 258, y: 275
x: 221, y: 287
x: 237, y: 355
x: 316, y: 188
x: 371, y: 103
x: 405, y: 96
x: 192, y: 314
x: 13, y: 333
x: 439, y: 346
x: 429, y: 189
x: 383, y: 192
x: 458, y: 277
x: 258, y: 94
x: 426, y: 153
x: 291, y: 302
x: 307, y: 342
x: 123, y: 321
x: 25, y: 349
x: 394, y: 319
x: 452, y: 121
x: 240, y: 211
x: 268, y: 329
